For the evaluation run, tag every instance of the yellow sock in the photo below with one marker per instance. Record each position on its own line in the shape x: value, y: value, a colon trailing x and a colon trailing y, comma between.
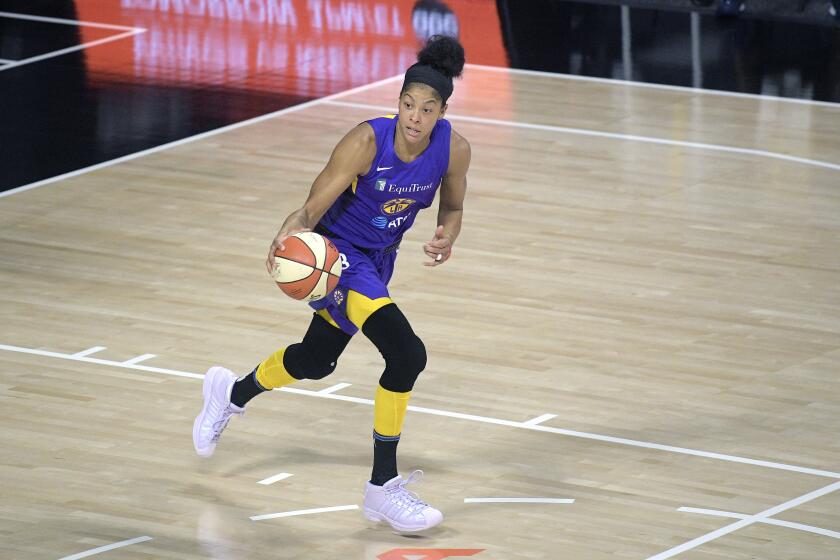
x: 389, y: 411
x: 271, y: 374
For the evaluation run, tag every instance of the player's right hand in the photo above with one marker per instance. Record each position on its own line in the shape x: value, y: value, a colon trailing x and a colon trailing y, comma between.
x: 281, y: 236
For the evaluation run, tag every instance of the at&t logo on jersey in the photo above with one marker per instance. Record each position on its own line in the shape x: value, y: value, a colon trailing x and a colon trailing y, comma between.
x: 397, y: 222
x: 381, y: 222
x: 396, y: 205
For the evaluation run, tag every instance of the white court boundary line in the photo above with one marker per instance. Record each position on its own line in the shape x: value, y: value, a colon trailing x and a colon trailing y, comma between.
x: 748, y: 520
x: 54, y: 54
x: 15, y: 15
x: 199, y: 136
x: 768, y: 521
x: 105, y: 548
x: 276, y: 478
x: 334, y: 388
x: 301, y: 512
x: 629, y: 83
x: 758, y: 518
x: 459, y: 415
x: 128, y: 32
x: 138, y: 359
x: 518, y: 501
x: 89, y: 351
x: 141, y: 358
x: 314, y: 102
x: 614, y: 136
x: 540, y: 419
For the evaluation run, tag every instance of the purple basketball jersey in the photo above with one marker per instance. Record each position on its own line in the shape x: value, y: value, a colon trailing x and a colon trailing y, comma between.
x: 382, y: 204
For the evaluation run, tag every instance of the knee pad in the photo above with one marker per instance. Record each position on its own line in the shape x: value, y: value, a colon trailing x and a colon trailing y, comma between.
x: 317, y: 355
x: 404, y: 352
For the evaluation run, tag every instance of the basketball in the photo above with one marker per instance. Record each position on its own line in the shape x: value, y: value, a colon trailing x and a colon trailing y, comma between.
x: 309, y: 267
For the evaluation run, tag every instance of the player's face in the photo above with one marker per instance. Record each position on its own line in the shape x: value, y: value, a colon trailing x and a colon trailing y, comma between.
x: 420, y: 108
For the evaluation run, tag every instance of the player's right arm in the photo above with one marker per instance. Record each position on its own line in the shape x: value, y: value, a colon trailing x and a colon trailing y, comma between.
x: 351, y: 157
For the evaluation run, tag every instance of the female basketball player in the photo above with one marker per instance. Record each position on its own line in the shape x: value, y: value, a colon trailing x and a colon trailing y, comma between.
x: 380, y: 175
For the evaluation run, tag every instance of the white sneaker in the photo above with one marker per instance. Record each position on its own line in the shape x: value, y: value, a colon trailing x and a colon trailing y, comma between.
x: 217, y: 410
x: 402, y: 509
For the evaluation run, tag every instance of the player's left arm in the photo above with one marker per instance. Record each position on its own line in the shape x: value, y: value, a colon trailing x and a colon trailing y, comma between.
x: 453, y: 188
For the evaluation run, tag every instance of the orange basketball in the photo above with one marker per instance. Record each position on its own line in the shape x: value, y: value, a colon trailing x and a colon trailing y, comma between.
x: 308, y: 268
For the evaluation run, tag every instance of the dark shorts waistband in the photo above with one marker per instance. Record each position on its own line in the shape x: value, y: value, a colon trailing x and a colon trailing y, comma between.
x: 389, y: 249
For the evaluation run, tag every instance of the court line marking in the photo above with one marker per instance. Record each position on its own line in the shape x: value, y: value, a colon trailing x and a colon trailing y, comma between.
x: 106, y: 548
x: 334, y: 388
x: 99, y: 361
x: 768, y: 521
x: 518, y: 501
x: 138, y: 359
x: 314, y: 102
x: 614, y: 136
x: 682, y: 89
x: 301, y: 512
x: 200, y: 136
x: 275, y: 478
x: 749, y: 520
x: 761, y: 517
x: 89, y: 351
x: 458, y: 415
x: 53, y: 54
x: 6, y: 60
x: 540, y: 419
x: 15, y: 15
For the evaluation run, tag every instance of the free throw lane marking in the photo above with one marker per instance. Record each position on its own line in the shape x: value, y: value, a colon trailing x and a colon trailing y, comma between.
x: 334, y: 388
x: 275, y: 478
x: 80, y: 23
x: 630, y: 83
x: 302, y: 512
x: 459, y: 415
x: 106, y: 548
x: 617, y: 136
x: 539, y: 419
x: 89, y: 351
x: 195, y: 137
x: 768, y: 521
x: 83, y: 46
x: 518, y: 501
x: 757, y: 518
x: 78, y: 358
x: 138, y: 359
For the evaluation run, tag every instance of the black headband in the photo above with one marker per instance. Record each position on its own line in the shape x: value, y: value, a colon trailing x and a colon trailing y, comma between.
x: 424, y: 74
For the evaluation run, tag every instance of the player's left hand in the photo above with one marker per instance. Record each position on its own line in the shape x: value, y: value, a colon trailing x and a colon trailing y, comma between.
x: 438, y: 249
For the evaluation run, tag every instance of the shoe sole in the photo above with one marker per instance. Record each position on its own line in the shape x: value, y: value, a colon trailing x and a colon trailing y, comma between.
x: 206, y: 388
x: 376, y: 517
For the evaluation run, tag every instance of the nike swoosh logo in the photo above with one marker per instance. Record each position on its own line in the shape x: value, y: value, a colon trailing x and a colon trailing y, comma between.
x: 383, y: 168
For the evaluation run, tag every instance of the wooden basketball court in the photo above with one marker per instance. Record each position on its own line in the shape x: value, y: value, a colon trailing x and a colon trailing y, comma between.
x: 642, y: 315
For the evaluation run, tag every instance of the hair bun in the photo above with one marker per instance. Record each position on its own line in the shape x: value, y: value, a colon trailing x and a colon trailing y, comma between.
x: 444, y: 54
